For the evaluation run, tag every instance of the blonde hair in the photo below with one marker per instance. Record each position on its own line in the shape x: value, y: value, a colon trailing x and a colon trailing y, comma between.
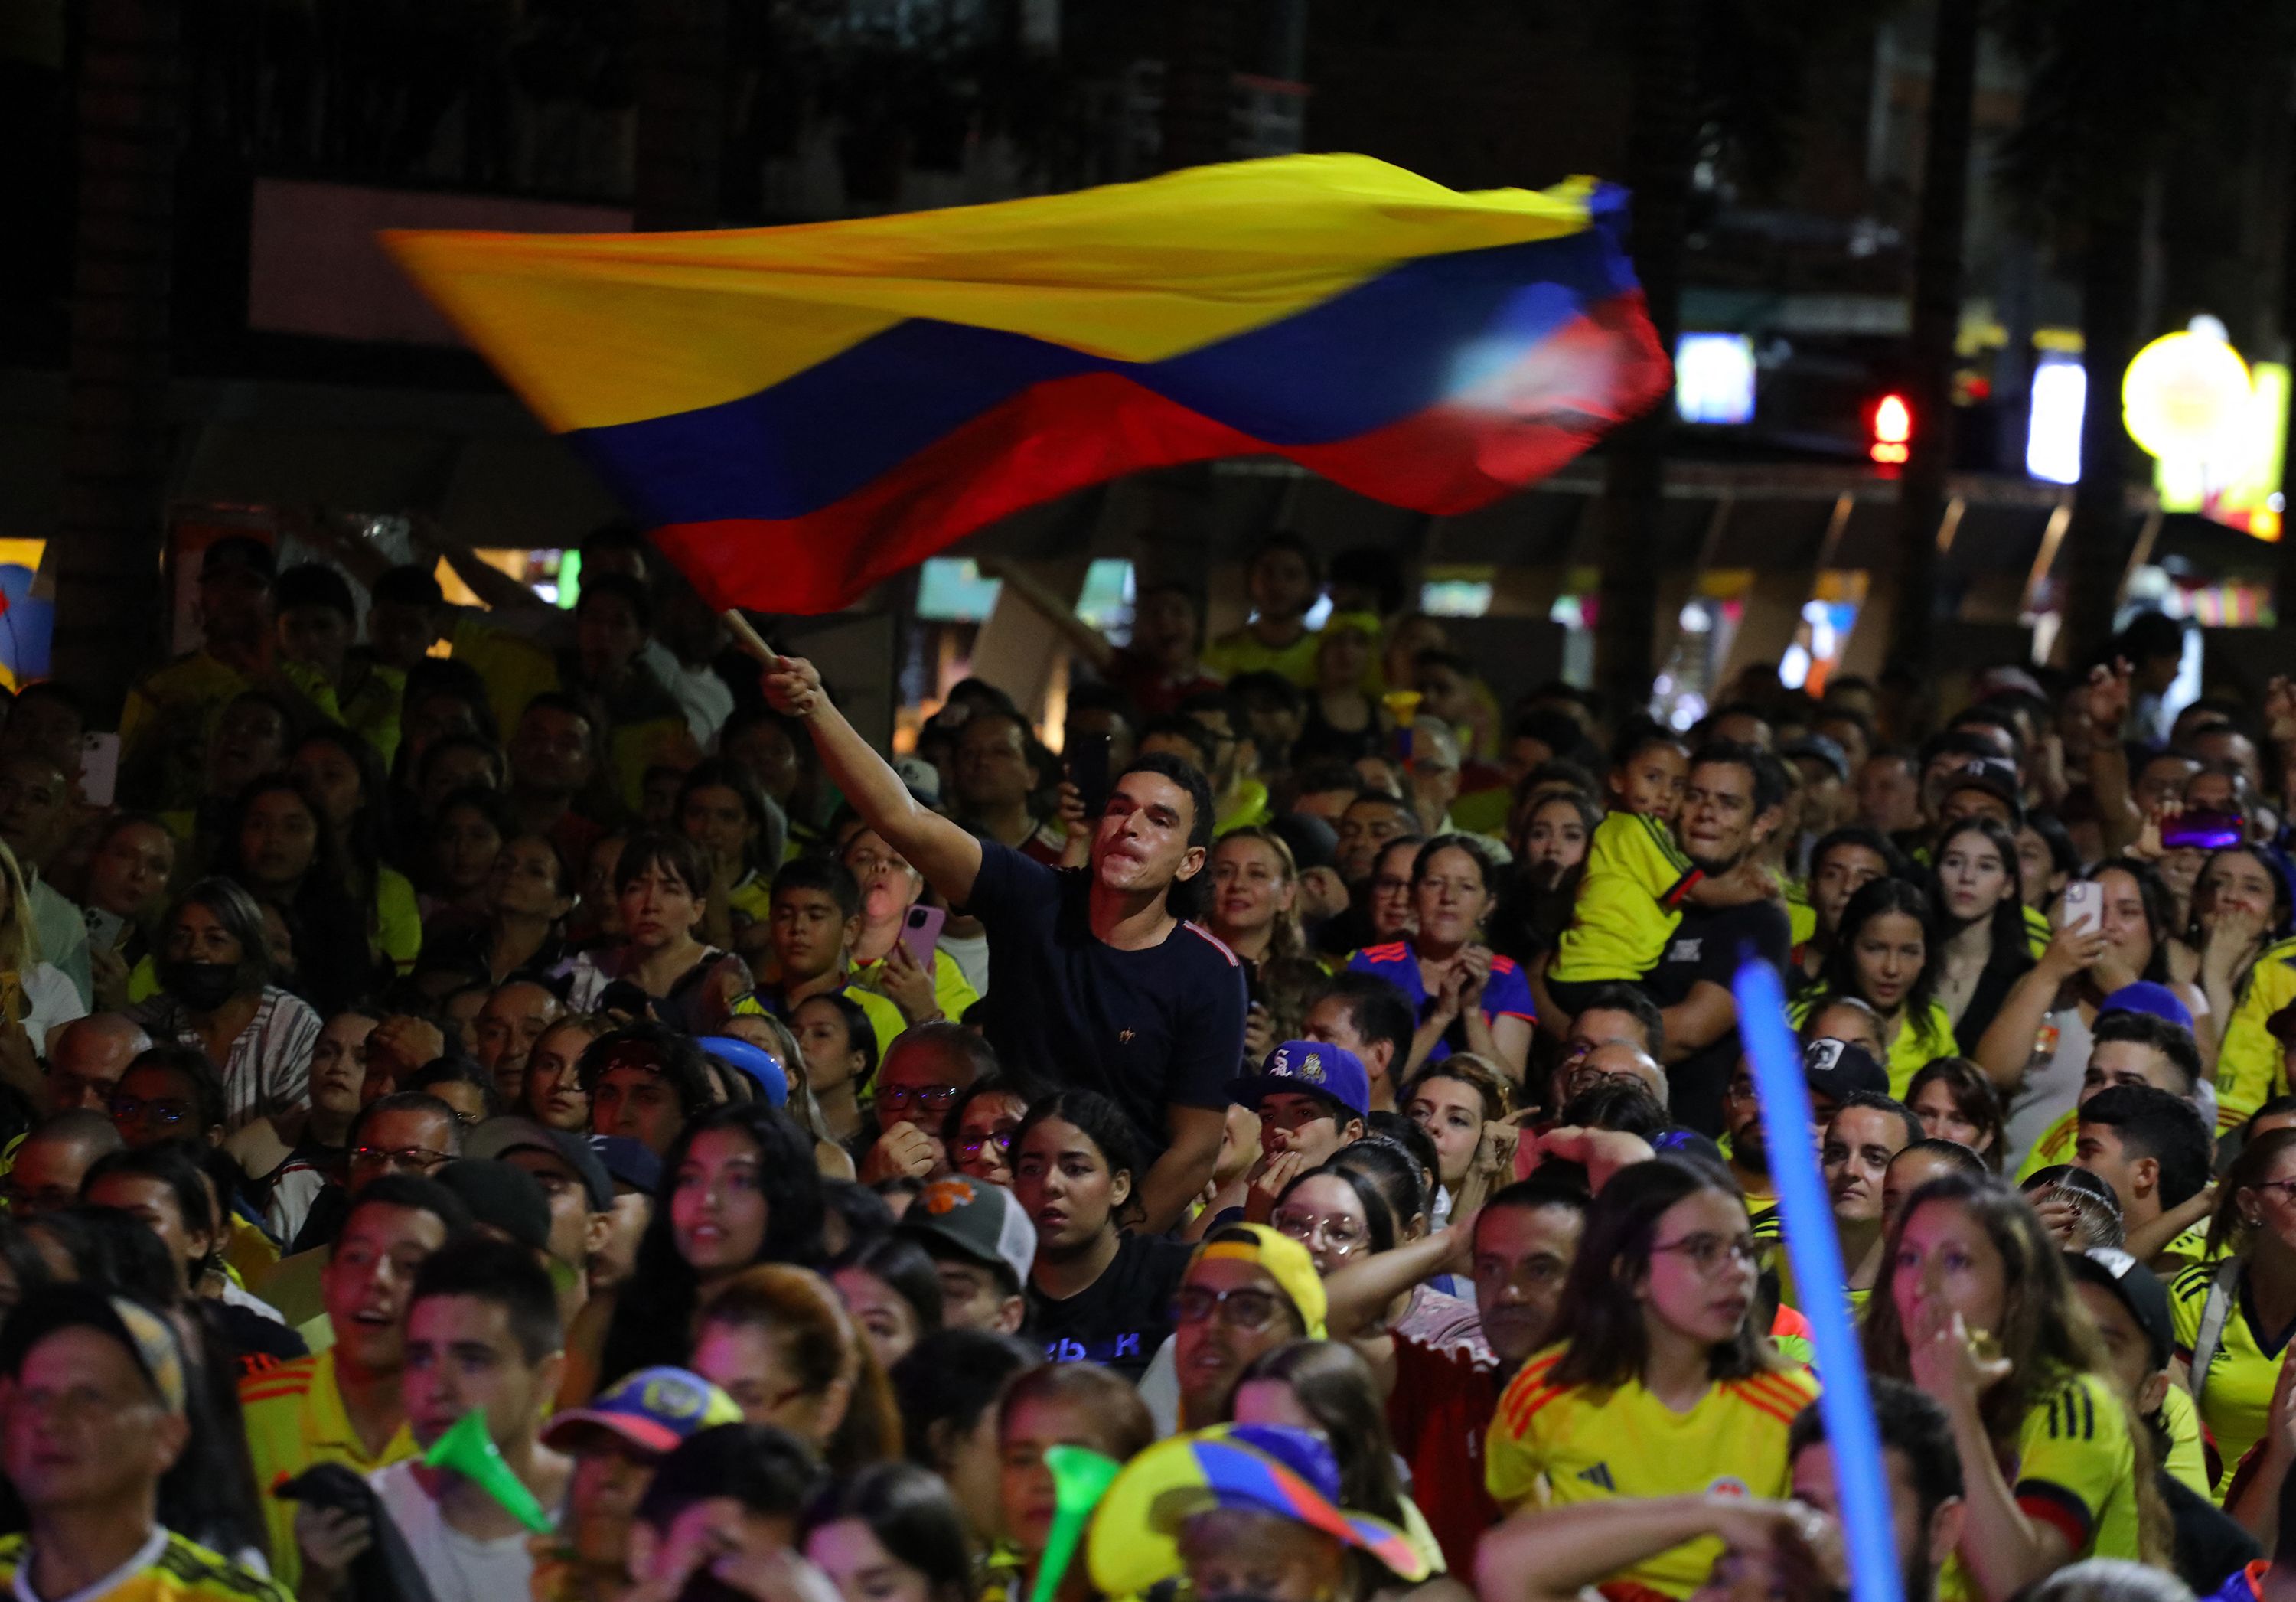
x: 20, y: 936
x: 1284, y: 938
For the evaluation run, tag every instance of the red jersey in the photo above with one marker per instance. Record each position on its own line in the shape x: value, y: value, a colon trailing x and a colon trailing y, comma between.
x: 1438, y: 1412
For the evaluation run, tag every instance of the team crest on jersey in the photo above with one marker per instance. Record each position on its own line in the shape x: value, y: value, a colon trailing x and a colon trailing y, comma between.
x: 1729, y: 1485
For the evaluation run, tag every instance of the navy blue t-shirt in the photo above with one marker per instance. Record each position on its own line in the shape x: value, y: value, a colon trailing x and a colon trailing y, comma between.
x: 1706, y: 949
x: 1147, y: 1029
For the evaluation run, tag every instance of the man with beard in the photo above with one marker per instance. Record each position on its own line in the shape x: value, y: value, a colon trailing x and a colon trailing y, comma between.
x: 1519, y: 1248
x: 1731, y: 804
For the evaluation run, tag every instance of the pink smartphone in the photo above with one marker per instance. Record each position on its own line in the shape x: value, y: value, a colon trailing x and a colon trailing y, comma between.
x: 920, y: 932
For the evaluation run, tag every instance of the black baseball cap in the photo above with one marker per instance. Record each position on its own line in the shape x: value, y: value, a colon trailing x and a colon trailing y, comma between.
x: 2139, y: 1288
x: 508, y: 1199
x: 500, y: 1137
x: 239, y: 554
x: 1838, y: 1067
x: 1820, y: 748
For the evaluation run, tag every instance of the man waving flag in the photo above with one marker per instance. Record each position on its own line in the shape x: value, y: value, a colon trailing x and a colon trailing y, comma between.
x: 797, y: 412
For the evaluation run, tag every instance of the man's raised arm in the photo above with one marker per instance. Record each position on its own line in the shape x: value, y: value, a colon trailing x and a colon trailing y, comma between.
x: 948, y: 857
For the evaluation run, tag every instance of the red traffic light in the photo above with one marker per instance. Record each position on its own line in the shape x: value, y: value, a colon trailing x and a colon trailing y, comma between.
x: 1891, y: 423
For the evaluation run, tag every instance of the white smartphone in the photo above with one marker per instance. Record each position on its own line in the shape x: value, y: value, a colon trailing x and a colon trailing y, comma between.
x: 2083, y: 906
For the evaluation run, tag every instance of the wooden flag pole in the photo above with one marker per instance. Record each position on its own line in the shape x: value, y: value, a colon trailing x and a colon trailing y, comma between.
x: 748, y: 638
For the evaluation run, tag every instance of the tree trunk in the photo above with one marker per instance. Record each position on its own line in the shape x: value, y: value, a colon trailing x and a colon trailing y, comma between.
x: 681, y: 126
x: 2097, y: 538
x: 1198, y: 68
x: 1661, y: 142
x: 116, y: 429
x: 1936, y: 323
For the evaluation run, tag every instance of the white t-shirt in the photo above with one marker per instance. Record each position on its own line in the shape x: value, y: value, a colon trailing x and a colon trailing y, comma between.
x: 458, y: 1567
x: 50, y: 1000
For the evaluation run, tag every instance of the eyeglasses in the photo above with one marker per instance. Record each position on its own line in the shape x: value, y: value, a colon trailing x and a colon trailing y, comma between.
x: 933, y: 1098
x: 1337, y: 1236
x: 166, y: 1113
x: 1245, y: 1309
x: 2284, y: 1189
x: 1708, y: 1252
x: 1000, y: 1140
x: 420, y: 1158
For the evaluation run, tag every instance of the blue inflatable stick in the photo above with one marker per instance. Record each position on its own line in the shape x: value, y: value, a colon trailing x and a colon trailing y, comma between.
x: 1806, y: 1219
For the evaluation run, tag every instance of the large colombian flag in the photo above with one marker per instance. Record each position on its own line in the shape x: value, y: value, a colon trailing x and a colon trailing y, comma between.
x: 797, y: 412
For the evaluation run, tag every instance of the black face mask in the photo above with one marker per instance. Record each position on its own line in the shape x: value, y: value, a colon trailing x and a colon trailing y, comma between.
x: 201, y: 986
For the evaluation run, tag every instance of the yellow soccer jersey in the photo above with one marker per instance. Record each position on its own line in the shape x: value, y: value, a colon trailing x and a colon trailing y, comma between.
x: 2187, y: 1459
x: 2057, y: 1145
x: 2038, y: 931
x: 170, y: 1569
x: 1627, y: 907
x: 1801, y: 917
x: 295, y: 1418
x: 1240, y: 652
x: 951, y: 993
x: 2251, y: 1069
x: 1564, y: 1444
x: 2236, y: 1393
x: 2077, y: 1467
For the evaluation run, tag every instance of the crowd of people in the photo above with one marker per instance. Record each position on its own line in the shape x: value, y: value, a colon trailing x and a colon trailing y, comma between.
x: 522, y: 1102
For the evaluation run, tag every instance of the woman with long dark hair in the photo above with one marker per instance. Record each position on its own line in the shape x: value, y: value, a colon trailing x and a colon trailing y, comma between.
x: 460, y: 846
x: 2233, y: 1309
x: 133, y: 858
x: 2038, y: 1047
x: 1977, y: 906
x: 1657, y: 1337
x: 2240, y: 912
x: 1881, y: 957
x: 281, y: 846
x: 738, y: 1187
x: 345, y: 775
x: 1096, y: 1292
x: 1976, y: 1308
x: 889, y: 1534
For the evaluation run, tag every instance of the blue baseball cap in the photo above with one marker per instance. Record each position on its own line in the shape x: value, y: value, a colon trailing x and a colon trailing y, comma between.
x: 629, y: 1162
x: 2146, y: 997
x: 1314, y: 1068
x: 654, y: 1410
